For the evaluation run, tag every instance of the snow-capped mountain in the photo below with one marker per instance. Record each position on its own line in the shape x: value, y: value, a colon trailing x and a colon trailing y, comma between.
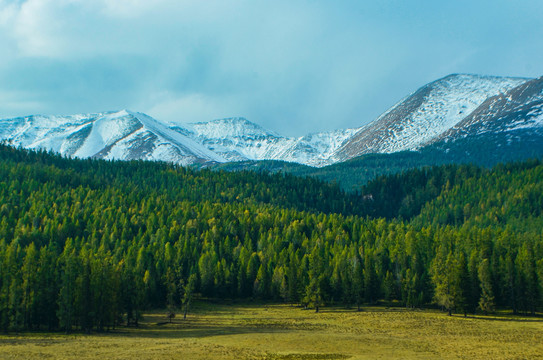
x: 238, y: 139
x: 317, y: 149
x: 126, y: 135
x: 122, y: 135
x: 425, y: 114
x: 438, y: 114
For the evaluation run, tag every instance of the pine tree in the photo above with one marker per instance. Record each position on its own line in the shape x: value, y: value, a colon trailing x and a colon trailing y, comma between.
x: 15, y: 305
x: 68, y: 275
x: 358, y: 281
x: 47, y: 289
x: 445, y: 278
x: 474, y: 283
x: 511, y: 282
x: 29, y: 286
x: 371, y: 281
x: 464, y: 285
x: 188, y: 293
x: 528, y: 274
x: 486, y: 302
x: 83, y: 296
x: 314, y: 291
x: 293, y: 279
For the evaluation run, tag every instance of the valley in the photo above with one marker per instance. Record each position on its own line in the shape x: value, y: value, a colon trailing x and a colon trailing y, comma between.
x: 271, y: 180
x: 282, y: 332
x: 87, y: 245
x: 106, y: 218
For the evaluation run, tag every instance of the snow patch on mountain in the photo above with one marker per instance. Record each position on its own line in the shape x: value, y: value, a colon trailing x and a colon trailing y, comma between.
x: 184, y: 143
x: 105, y: 131
x: 451, y: 100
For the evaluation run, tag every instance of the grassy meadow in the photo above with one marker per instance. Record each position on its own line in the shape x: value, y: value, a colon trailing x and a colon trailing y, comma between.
x: 277, y: 332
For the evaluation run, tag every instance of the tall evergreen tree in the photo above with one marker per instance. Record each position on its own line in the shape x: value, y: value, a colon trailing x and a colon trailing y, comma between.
x: 486, y: 302
x: 68, y: 276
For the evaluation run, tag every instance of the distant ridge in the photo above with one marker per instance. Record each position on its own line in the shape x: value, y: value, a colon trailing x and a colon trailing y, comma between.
x: 494, y: 111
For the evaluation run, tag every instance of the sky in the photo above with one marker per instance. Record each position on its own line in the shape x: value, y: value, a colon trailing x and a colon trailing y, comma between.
x: 292, y: 66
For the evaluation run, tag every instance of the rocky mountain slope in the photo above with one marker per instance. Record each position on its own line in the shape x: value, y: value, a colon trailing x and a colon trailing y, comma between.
x: 517, y: 110
x: 425, y: 115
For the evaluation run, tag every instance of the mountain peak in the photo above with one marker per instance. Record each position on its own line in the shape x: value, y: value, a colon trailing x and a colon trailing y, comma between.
x: 468, y: 76
x: 121, y: 134
x: 231, y: 122
x: 426, y: 113
x: 230, y: 127
x: 233, y: 119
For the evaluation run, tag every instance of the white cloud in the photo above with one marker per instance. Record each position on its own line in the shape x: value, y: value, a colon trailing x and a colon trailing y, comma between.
x: 75, y: 29
x: 37, y: 30
x: 129, y: 9
x: 190, y: 108
x: 7, y: 12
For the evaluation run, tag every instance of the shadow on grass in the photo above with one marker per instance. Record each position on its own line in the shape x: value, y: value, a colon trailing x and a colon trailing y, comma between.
x: 187, y: 329
x: 506, y: 318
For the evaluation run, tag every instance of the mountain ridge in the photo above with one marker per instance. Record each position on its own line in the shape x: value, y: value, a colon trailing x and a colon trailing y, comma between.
x: 425, y: 114
x: 433, y: 115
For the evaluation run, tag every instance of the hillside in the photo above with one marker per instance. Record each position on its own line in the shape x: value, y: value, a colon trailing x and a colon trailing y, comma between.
x: 90, y: 244
x: 507, y: 196
x: 178, y: 183
x: 426, y: 114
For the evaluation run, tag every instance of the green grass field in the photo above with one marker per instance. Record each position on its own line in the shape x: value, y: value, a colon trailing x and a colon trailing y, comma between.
x: 274, y: 332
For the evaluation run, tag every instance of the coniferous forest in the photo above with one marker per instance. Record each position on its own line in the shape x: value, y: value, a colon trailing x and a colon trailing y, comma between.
x: 91, y: 244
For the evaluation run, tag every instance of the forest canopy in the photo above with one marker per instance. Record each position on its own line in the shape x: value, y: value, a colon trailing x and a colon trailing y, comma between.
x: 90, y: 244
